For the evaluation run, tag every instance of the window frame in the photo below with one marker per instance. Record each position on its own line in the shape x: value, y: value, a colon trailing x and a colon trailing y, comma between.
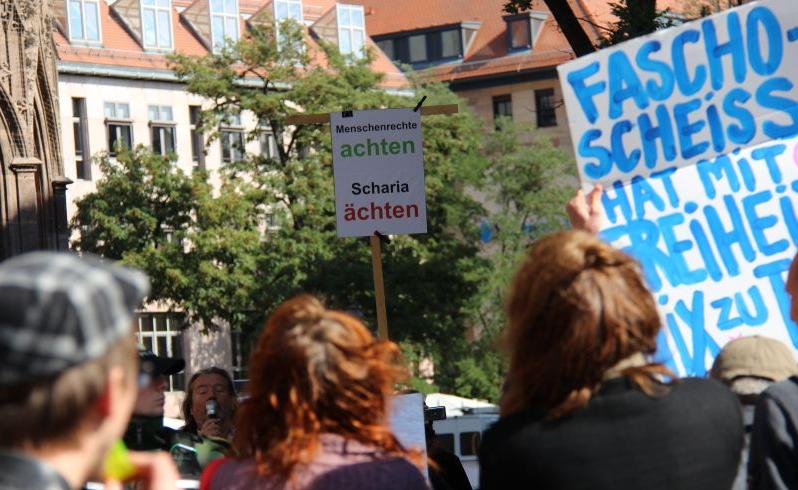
x: 156, y: 8
x: 527, y: 22
x: 84, y: 38
x: 218, y: 45
x: 550, y: 113
x: 175, y: 382
x: 198, y: 152
x: 233, y: 127
x: 351, y: 28
x: 502, y: 99
x: 115, y: 121
x: 80, y: 134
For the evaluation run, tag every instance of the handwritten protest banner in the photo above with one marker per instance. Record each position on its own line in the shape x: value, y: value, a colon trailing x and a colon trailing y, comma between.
x: 378, y: 169
x: 692, y: 132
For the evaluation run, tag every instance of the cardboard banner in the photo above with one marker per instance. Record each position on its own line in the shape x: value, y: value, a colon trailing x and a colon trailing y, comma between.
x: 378, y: 168
x: 692, y: 132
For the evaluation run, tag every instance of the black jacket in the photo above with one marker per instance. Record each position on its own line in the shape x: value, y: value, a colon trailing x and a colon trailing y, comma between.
x: 690, y: 438
x: 19, y: 472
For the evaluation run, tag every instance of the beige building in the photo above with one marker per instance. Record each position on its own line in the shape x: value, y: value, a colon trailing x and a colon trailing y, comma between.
x: 502, y: 65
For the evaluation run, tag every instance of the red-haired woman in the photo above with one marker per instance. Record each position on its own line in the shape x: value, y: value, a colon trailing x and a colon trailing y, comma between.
x: 584, y: 406
x: 316, y: 416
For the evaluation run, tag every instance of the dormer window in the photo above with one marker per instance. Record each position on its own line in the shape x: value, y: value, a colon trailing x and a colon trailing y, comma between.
x: 427, y: 46
x: 351, y: 29
x: 523, y: 29
x: 84, y: 20
x: 224, y: 22
x: 156, y: 22
x: 288, y: 9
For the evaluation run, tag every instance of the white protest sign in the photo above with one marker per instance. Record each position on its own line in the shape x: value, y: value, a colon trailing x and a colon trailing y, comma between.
x: 378, y: 168
x: 407, y: 420
x: 692, y: 131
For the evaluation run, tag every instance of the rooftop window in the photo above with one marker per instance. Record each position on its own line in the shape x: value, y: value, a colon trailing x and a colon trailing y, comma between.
x: 156, y: 21
x: 84, y: 20
x: 351, y: 29
x: 424, y: 47
x: 224, y: 22
x: 523, y: 29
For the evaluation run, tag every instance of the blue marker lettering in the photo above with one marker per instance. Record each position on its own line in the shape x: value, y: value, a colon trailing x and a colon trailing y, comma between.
x: 665, y: 88
x: 761, y: 19
x: 743, y: 132
x: 686, y: 129
x: 650, y: 134
x: 761, y: 223
x: 715, y: 51
x: 626, y: 163
x: 765, y: 98
x: 725, y: 239
x: 686, y: 85
x: 624, y: 84
x: 584, y: 93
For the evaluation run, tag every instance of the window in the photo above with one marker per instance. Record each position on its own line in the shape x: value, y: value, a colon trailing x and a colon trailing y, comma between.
x: 232, y: 139
x: 387, y: 47
x: 418, y: 48
x: 268, y: 143
x: 80, y: 133
x: 156, y: 22
x: 544, y: 106
x: 450, y: 43
x: 469, y: 443
x: 288, y: 9
x: 84, y: 20
x: 162, y: 129
x: 160, y: 333
x: 197, y: 139
x: 519, y: 32
x: 436, y: 45
x: 502, y: 107
x: 351, y: 30
x: 224, y: 22
x: 120, y: 131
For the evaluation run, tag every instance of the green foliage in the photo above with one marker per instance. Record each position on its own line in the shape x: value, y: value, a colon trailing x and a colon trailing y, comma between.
x: 634, y: 18
x: 265, y: 230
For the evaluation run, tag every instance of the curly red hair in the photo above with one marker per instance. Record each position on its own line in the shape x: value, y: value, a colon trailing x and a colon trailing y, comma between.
x: 315, y: 371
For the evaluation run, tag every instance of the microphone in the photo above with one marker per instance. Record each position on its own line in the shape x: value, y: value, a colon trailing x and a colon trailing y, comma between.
x: 212, y: 408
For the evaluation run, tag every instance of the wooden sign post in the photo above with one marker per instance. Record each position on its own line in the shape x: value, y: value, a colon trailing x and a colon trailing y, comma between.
x: 358, y: 215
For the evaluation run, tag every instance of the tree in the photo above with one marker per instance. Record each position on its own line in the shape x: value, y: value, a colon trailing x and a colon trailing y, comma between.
x: 527, y: 185
x: 223, y: 262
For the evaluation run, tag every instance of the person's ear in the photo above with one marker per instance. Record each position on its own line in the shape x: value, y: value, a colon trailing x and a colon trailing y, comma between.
x: 103, y: 403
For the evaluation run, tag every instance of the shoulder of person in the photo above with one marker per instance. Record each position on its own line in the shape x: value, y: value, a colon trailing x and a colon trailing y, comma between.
x: 784, y: 392
x: 703, y: 388
x: 384, y: 473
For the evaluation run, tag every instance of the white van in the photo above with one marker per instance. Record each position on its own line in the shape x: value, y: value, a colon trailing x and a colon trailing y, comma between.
x: 462, y: 435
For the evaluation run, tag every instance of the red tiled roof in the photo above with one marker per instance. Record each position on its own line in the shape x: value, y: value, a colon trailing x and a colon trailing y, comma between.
x: 120, y: 49
x: 489, y: 51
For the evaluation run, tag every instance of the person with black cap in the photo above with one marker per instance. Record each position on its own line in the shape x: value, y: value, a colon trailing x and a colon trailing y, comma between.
x: 146, y: 430
x: 68, y: 381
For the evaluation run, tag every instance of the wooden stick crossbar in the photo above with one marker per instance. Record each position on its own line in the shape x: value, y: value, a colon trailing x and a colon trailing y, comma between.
x: 324, y: 118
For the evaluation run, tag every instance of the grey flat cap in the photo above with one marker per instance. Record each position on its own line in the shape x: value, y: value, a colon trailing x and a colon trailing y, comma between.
x: 58, y: 310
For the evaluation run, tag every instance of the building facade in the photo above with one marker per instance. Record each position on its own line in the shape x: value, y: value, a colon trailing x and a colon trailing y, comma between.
x: 117, y: 88
x: 33, y: 186
x: 502, y: 65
